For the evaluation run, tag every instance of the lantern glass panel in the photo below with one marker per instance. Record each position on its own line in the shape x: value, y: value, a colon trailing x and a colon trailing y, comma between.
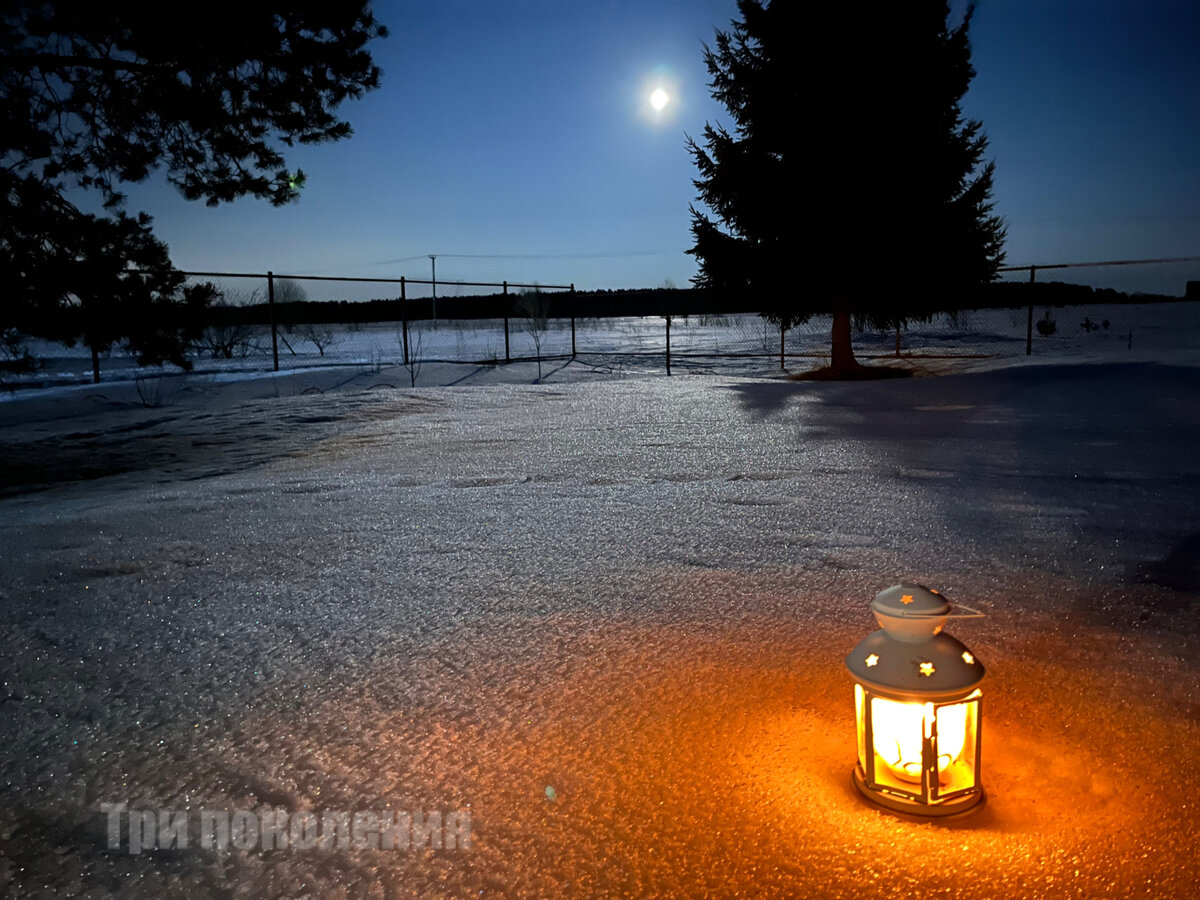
x: 898, y: 731
x: 957, y: 729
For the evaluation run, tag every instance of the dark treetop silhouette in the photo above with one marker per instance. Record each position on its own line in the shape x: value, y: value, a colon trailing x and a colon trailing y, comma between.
x: 95, y: 94
x: 849, y: 168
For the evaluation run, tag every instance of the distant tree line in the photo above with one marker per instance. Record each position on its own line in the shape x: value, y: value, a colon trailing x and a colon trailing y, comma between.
x: 631, y: 302
x: 193, y: 319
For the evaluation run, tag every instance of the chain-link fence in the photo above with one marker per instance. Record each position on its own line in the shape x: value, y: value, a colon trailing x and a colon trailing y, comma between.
x: 262, y: 323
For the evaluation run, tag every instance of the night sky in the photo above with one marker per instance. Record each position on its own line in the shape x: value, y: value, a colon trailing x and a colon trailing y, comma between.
x: 516, y: 141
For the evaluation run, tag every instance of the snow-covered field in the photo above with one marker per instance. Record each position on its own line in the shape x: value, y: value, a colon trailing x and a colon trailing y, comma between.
x: 607, y: 617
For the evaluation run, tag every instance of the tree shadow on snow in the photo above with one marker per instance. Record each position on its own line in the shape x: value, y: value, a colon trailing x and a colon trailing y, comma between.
x: 766, y: 398
x: 860, y: 373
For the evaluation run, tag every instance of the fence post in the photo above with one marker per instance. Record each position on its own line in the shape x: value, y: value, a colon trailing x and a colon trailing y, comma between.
x: 271, y: 308
x: 1029, y: 326
x: 404, y: 317
x: 433, y: 262
x: 782, y: 332
x: 668, y: 318
x: 572, y: 321
x: 507, y: 358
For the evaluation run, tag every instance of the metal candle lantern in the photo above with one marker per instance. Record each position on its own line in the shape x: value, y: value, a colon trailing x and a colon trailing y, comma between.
x: 918, y: 707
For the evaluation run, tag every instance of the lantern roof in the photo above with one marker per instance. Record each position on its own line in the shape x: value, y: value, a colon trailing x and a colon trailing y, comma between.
x: 939, y: 666
x: 911, y: 612
x: 911, y: 600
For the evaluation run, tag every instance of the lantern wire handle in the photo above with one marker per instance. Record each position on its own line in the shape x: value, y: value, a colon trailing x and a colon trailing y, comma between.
x: 970, y: 613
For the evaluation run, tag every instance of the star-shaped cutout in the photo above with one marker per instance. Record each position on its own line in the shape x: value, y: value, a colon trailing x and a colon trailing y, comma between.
x: 906, y: 599
x: 927, y: 668
x: 872, y: 660
x: 968, y: 658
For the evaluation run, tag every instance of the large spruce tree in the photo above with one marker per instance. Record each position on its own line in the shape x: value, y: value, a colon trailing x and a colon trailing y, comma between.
x: 850, y: 182
x: 94, y: 94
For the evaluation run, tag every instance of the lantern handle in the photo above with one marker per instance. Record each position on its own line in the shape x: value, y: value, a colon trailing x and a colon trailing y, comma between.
x: 970, y: 613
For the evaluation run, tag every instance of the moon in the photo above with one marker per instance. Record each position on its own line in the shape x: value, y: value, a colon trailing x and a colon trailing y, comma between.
x: 658, y: 96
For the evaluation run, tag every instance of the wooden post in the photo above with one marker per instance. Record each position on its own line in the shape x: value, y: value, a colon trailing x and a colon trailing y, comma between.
x: 782, y: 332
x: 668, y: 345
x: 507, y: 357
x: 271, y: 308
x: 404, y: 317
x: 1029, y: 326
x: 572, y: 321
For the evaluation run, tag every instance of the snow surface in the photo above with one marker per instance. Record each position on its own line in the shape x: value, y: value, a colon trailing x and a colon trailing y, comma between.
x: 636, y: 592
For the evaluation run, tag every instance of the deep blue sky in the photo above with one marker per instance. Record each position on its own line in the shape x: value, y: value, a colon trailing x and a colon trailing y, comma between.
x: 519, y: 129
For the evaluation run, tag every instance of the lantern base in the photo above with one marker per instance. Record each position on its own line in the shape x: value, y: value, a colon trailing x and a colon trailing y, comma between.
x: 951, y: 808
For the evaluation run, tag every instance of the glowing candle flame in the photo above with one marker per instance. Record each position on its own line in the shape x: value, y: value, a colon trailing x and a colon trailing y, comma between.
x: 900, y: 727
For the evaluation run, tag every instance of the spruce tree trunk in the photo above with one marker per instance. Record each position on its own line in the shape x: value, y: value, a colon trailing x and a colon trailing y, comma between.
x: 842, y: 360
